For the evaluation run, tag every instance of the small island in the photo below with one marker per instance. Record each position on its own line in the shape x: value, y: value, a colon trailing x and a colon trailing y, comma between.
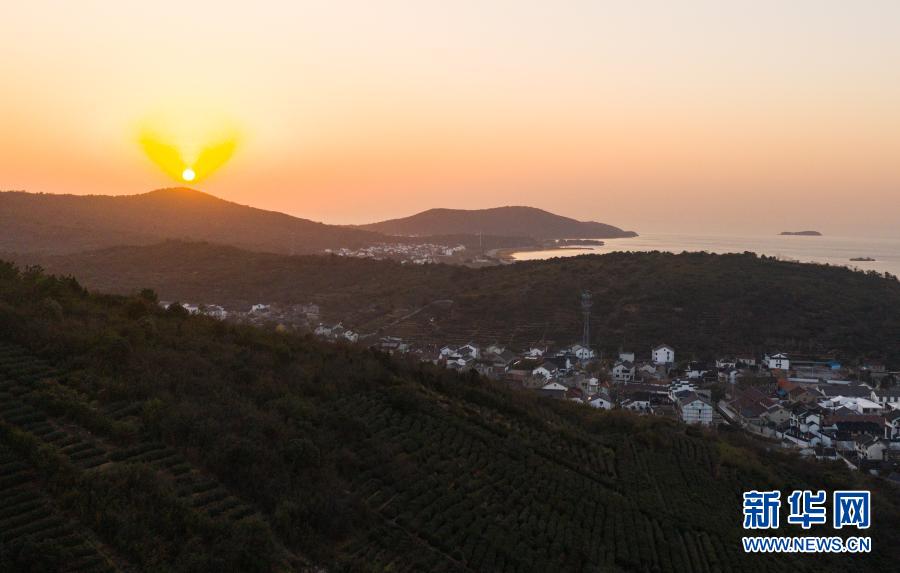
x: 802, y: 233
x: 863, y: 259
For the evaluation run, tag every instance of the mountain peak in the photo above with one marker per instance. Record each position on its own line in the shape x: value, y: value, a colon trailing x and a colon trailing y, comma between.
x: 514, y: 220
x: 179, y: 193
x: 68, y: 223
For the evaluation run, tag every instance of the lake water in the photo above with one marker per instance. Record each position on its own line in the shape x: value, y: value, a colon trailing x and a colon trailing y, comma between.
x: 831, y: 250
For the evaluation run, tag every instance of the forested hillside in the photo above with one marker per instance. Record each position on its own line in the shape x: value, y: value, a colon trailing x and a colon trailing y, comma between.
x: 46, y: 223
x: 137, y: 438
x: 703, y: 304
x: 64, y: 224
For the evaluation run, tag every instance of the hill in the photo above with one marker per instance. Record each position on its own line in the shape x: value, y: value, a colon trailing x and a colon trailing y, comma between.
x: 133, y: 438
x: 703, y: 304
x: 504, y: 221
x: 48, y: 223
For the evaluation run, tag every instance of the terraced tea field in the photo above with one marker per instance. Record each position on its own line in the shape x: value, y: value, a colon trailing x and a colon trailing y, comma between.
x: 30, y: 514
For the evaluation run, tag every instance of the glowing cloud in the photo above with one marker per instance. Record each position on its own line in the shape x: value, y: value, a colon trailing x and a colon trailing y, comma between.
x: 187, y: 150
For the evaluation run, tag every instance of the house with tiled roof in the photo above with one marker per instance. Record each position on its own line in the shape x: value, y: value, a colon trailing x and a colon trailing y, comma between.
x: 547, y: 369
x: 663, y: 354
x: 777, y: 361
x: 693, y: 409
x: 553, y: 390
x: 623, y: 372
x: 888, y: 397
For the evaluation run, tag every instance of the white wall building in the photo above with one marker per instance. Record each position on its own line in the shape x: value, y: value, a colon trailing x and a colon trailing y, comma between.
x: 547, y: 370
x: 626, y: 356
x: 663, y: 354
x: 600, y: 402
x: 778, y: 361
x: 582, y: 352
x: 694, y: 409
x: 623, y: 372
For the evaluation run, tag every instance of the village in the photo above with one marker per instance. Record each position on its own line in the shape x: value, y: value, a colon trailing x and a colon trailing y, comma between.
x: 814, y: 405
x: 412, y: 253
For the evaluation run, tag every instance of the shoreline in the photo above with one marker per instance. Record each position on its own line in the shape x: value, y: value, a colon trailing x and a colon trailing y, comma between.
x: 506, y: 255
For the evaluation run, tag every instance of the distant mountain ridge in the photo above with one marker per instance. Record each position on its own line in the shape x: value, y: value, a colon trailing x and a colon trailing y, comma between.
x: 516, y: 221
x: 62, y: 224
x: 49, y: 223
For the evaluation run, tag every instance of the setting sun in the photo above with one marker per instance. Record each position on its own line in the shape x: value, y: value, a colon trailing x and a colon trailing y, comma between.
x: 186, y: 143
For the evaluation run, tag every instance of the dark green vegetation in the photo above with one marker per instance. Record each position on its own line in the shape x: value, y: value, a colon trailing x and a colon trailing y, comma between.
x: 142, y: 438
x: 505, y: 221
x: 700, y: 303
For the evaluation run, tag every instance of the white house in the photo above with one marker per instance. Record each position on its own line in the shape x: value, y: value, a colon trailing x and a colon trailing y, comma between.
x: 350, y: 336
x: 554, y: 390
x: 546, y: 369
x: 214, y: 311
x: 455, y: 362
x: 696, y: 370
x: 311, y: 310
x: 392, y: 344
x: 888, y: 397
x: 323, y: 330
x: 600, y: 402
x: 866, y: 406
x: 729, y: 375
x: 581, y: 352
x: 805, y: 418
x: 626, y: 356
x: 870, y: 447
x: 535, y: 352
x: 468, y: 350
x: 648, y: 369
x: 663, y: 354
x: 778, y: 361
x: 637, y: 404
x: 857, y: 404
x: 694, y: 409
x: 494, y: 349
x: 259, y: 308
x: 892, y: 424
x: 623, y: 372
x: 725, y: 363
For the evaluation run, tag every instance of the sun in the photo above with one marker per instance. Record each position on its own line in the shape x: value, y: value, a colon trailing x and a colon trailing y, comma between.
x: 188, y: 146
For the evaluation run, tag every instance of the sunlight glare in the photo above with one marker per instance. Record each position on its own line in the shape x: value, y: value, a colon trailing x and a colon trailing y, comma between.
x: 188, y: 146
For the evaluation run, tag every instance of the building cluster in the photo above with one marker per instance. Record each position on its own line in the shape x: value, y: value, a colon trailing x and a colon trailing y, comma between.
x: 816, y: 406
x: 296, y: 316
x: 651, y: 386
x: 419, y: 254
x: 336, y: 332
x: 824, y: 410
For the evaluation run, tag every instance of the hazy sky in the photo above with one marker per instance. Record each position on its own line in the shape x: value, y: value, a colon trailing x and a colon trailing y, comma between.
x: 688, y: 116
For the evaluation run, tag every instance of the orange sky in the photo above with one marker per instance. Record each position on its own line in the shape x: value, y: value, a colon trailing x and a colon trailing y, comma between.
x: 695, y: 116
